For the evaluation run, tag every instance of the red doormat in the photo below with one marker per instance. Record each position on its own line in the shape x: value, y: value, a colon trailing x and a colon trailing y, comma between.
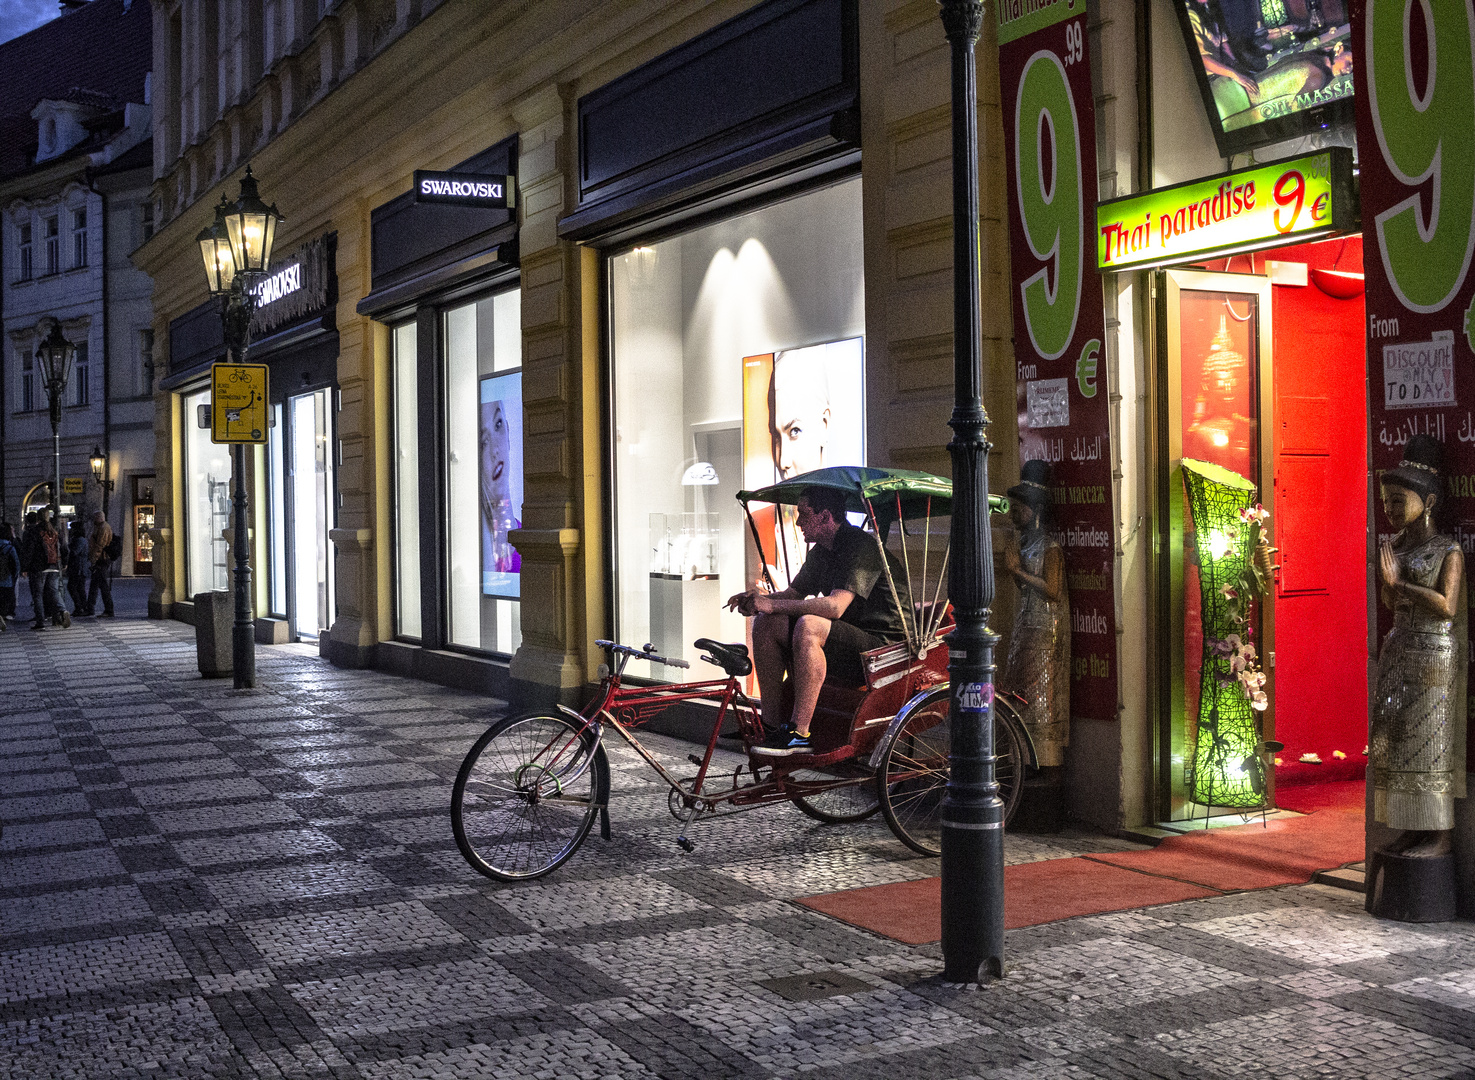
x: 1190, y: 867
x: 1037, y: 892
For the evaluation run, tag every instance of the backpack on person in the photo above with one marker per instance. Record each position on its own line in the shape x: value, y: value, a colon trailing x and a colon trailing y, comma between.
x: 113, y: 550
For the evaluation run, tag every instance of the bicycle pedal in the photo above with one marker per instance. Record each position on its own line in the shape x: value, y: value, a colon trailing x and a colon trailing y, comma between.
x: 685, y: 845
x: 694, y: 759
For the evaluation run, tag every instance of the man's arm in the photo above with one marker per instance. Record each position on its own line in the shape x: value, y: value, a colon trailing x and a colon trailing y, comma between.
x: 830, y: 607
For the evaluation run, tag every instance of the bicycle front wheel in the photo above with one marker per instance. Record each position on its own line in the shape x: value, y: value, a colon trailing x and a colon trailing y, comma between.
x: 526, y: 795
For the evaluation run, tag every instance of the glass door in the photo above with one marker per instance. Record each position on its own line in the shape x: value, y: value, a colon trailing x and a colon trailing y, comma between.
x: 309, y: 513
x: 1216, y: 397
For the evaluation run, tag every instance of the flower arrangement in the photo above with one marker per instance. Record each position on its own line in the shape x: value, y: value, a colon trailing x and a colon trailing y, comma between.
x: 1253, y: 580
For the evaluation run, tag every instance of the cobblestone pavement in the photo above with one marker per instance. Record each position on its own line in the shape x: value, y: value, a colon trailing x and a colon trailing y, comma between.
x: 196, y: 881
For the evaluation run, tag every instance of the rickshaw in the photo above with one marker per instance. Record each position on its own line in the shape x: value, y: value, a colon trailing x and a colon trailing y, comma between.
x: 529, y: 789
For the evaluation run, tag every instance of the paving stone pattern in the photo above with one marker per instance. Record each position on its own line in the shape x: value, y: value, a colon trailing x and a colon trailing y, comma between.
x: 203, y: 882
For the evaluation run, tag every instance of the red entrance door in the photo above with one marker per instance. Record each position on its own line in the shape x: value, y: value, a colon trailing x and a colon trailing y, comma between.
x: 1320, y: 515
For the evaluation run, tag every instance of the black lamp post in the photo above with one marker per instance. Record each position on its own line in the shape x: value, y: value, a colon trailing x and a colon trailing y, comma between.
x: 99, y: 464
x: 236, y: 249
x: 56, y: 354
x: 972, y: 812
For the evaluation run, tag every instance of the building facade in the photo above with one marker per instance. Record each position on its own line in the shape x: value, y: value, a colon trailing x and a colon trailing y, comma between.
x: 75, y: 201
x: 494, y: 412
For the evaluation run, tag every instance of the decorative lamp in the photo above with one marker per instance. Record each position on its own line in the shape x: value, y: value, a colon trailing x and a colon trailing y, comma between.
x: 56, y: 354
x: 98, y: 463
x: 1224, y: 750
x: 252, y: 228
x: 220, y: 265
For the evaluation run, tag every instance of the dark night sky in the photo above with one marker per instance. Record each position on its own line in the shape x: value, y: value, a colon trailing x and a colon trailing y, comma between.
x: 19, y: 16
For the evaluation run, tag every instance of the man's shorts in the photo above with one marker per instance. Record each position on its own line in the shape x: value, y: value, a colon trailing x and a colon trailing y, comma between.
x: 842, y: 651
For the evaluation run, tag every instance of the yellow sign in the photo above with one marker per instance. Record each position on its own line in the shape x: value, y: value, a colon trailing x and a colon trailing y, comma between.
x: 71, y: 485
x: 238, y: 403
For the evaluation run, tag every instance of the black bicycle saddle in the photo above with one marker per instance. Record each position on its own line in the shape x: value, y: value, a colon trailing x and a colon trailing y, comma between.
x: 732, y: 659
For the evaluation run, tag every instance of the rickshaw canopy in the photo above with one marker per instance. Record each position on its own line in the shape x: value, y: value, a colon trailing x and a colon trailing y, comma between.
x: 872, y: 490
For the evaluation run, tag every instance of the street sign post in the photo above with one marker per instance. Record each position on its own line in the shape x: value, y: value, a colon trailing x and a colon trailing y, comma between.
x: 238, y: 403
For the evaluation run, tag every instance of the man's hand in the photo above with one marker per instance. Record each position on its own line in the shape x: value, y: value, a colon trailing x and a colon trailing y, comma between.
x: 744, y: 603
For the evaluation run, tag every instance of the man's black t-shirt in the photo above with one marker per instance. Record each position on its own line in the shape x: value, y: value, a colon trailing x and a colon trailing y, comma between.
x: 853, y: 563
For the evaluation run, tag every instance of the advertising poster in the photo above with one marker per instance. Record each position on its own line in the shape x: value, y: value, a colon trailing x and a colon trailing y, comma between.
x: 500, y: 442
x: 803, y: 409
x: 1059, y: 321
x: 1417, y: 136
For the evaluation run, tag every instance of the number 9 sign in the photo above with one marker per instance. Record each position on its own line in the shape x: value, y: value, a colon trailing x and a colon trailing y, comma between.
x: 1047, y: 175
x: 1422, y: 110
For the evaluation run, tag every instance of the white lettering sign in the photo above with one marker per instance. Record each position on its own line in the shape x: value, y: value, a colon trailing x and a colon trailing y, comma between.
x: 1420, y: 374
x: 283, y: 283
x: 481, y: 189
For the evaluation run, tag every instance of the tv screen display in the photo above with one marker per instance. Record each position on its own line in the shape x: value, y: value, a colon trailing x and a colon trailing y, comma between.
x: 1270, y: 70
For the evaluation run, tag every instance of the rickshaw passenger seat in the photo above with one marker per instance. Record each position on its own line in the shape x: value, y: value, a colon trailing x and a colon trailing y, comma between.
x: 732, y: 659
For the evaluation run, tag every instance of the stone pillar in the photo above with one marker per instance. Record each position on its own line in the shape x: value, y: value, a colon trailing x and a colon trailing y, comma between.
x: 351, y: 641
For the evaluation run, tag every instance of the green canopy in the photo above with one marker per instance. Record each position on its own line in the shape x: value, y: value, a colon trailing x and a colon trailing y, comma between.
x: 921, y: 494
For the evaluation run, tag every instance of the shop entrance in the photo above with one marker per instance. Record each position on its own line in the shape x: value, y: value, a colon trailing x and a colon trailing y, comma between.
x: 1265, y: 376
x: 302, y: 496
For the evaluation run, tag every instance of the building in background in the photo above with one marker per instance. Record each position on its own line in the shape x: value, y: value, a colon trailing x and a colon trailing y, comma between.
x: 505, y: 431
x: 76, y: 164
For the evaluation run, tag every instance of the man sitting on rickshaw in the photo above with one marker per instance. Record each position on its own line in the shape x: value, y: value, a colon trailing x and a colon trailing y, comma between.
x: 839, y: 605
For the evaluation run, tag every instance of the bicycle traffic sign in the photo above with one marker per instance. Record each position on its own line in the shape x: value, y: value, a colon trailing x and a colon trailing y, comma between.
x: 238, y: 412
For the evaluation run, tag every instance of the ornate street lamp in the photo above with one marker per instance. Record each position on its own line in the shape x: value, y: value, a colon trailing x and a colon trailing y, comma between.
x: 236, y: 250
x: 972, y: 812
x: 99, y: 465
x: 55, y: 354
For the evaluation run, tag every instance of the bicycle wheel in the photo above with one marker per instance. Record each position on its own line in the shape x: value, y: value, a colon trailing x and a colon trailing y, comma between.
x: 526, y: 795
x: 855, y: 801
x: 913, y: 773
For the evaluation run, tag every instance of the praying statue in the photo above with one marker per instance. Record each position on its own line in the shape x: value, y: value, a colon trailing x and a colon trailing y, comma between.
x: 1416, y: 747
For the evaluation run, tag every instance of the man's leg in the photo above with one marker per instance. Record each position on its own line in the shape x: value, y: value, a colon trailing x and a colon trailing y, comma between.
x: 770, y: 661
x: 38, y: 603
x: 809, y: 666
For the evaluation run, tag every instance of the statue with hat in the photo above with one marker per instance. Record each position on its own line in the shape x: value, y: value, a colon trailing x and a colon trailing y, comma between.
x: 1416, y: 745
x: 1038, y: 664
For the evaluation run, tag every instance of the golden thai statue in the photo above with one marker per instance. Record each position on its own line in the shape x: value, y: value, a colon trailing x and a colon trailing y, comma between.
x: 1416, y: 748
x: 1038, y: 665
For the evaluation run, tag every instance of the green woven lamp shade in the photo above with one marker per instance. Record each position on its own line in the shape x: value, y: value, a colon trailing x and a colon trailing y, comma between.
x: 1224, y: 753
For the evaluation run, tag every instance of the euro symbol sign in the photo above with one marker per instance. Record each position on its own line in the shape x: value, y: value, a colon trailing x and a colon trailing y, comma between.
x: 1086, y: 368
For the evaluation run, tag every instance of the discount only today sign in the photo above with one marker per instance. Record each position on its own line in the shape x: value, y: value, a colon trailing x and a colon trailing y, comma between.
x: 1059, y: 321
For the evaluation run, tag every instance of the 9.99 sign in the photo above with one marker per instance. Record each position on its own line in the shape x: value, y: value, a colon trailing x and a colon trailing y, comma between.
x: 1059, y: 321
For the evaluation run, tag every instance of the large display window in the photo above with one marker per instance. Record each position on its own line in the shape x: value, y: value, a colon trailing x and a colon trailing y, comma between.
x: 206, y: 503
x: 484, y: 483
x: 738, y: 358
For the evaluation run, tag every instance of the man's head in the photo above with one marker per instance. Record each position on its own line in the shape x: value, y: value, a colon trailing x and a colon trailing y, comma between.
x: 98, y: 517
x: 821, y: 513
x: 30, y: 519
x: 799, y: 412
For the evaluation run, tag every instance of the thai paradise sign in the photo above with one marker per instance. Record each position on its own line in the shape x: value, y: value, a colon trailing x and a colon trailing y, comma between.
x: 1297, y: 199
x: 1059, y: 321
x: 1415, y: 67
x: 465, y: 189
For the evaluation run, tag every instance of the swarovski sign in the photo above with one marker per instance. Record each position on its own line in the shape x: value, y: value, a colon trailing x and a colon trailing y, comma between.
x: 300, y: 284
x: 282, y: 283
x: 466, y: 189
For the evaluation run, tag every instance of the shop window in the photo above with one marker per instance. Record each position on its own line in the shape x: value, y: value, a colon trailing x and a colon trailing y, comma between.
x: 80, y: 386
x: 406, y: 483
x: 206, y: 503
x: 79, y: 238
x: 713, y: 333
x: 276, y: 511
x: 484, y: 471
x: 27, y: 266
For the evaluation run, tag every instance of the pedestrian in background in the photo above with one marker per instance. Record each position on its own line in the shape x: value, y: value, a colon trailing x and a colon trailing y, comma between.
x: 42, y: 554
x: 77, y: 563
x: 103, y: 546
x: 9, y: 573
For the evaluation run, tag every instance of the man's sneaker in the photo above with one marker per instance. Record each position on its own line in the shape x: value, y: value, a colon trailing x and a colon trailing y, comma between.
x: 784, y: 744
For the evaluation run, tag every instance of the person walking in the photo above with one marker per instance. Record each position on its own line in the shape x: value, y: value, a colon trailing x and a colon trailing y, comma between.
x: 9, y: 573
x: 103, y: 546
x: 42, y: 553
x: 77, y: 564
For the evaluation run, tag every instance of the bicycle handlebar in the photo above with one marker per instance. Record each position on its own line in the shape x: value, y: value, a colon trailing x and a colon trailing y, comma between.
x: 648, y: 653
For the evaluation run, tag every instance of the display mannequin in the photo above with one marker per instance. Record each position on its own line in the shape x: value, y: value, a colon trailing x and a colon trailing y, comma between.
x: 1417, y: 737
